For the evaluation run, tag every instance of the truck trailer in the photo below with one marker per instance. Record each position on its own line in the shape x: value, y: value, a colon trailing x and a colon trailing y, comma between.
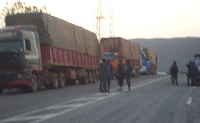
x: 115, y: 48
x: 38, y: 49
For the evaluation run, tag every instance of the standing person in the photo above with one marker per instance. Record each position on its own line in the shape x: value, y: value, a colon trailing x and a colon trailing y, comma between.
x: 108, y: 74
x: 121, y: 68
x: 194, y: 73
x: 174, y: 73
x: 189, y: 68
x: 102, y: 67
x: 128, y: 71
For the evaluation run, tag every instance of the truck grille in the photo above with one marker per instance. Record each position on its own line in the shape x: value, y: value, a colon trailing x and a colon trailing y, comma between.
x: 6, y: 77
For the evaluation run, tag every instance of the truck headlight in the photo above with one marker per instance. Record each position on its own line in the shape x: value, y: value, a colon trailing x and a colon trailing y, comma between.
x: 19, y: 76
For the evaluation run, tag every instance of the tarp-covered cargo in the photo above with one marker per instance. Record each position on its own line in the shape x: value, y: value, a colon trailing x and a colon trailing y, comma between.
x: 59, y: 33
x: 135, y: 49
x: 150, y: 55
x: 121, y: 46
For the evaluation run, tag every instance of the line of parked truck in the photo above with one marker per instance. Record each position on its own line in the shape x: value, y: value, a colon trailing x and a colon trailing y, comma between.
x: 38, y: 49
x: 144, y: 60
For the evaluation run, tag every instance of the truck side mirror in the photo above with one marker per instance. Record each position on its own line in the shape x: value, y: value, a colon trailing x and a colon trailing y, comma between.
x: 27, y: 45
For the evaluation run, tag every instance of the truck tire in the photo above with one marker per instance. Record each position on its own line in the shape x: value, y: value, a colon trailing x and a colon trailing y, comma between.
x: 94, y: 77
x: 151, y: 72
x: 54, y: 80
x: 34, y: 83
x: 86, y: 78
x: 62, y: 80
x: 90, y: 77
x: 148, y: 73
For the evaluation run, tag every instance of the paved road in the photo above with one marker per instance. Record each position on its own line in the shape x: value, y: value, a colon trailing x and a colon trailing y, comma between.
x: 152, y: 99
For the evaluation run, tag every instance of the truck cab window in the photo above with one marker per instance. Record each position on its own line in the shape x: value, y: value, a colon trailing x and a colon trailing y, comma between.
x: 28, y: 44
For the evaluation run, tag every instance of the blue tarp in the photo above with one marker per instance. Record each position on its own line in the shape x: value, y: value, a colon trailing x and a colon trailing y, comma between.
x: 146, y: 63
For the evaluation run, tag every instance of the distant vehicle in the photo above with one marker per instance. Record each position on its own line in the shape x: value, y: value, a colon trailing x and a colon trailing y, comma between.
x: 48, y: 51
x: 118, y: 48
x: 114, y: 61
x: 197, y: 62
x: 149, y: 61
x: 145, y: 64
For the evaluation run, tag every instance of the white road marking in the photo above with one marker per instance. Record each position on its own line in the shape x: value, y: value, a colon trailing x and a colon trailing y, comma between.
x: 189, y: 101
x: 63, y: 106
x: 69, y: 105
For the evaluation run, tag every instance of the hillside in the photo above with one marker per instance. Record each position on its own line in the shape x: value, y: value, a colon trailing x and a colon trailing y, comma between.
x: 179, y: 49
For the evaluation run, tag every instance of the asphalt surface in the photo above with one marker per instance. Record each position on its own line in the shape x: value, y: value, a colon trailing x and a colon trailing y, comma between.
x: 153, y: 99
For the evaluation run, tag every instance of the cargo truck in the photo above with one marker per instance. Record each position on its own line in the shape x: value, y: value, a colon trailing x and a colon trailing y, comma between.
x: 115, y: 48
x: 149, y: 61
x: 38, y: 49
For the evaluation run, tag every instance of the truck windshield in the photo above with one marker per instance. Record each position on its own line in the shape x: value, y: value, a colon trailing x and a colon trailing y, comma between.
x: 11, y: 46
x: 110, y: 56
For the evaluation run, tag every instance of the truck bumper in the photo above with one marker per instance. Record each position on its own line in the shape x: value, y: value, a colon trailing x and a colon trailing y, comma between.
x: 15, y: 83
x: 14, y: 79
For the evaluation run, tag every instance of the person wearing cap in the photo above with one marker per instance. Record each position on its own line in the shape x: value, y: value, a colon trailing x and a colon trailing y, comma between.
x: 174, y: 73
x: 121, y: 72
x: 128, y: 71
x: 102, y: 69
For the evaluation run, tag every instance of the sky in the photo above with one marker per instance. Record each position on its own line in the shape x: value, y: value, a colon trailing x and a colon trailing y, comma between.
x: 131, y: 18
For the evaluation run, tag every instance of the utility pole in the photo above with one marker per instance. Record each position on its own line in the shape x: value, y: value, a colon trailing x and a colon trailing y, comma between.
x: 111, y: 19
x: 99, y: 17
x: 98, y: 20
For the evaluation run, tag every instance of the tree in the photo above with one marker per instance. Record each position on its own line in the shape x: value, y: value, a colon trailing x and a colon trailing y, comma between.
x: 18, y: 7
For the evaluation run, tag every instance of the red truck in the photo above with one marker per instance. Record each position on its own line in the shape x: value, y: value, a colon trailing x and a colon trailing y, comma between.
x: 117, y: 47
x: 38, y: 49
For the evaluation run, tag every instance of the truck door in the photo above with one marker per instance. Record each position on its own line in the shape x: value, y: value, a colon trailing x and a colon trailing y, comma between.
x: 31, y: 49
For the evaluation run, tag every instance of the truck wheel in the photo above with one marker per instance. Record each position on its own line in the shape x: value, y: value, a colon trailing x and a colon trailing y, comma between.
x: 34, y: 83
x: 90, y: 77
x: 151, y: 72
x: 62, y: 80
x: 94, y: 77
x: 86, y: 78
x: 54, y: 80
x: 148, y: 73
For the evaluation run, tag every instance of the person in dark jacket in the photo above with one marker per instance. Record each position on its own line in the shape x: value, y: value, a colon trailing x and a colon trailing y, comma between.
x: 189, y: 69
x: 174, y: 73
x: 194, y: 73
x: 102, y: 68
x: 128, y: 71
x: 120, y: 69
x: 108, y: 74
